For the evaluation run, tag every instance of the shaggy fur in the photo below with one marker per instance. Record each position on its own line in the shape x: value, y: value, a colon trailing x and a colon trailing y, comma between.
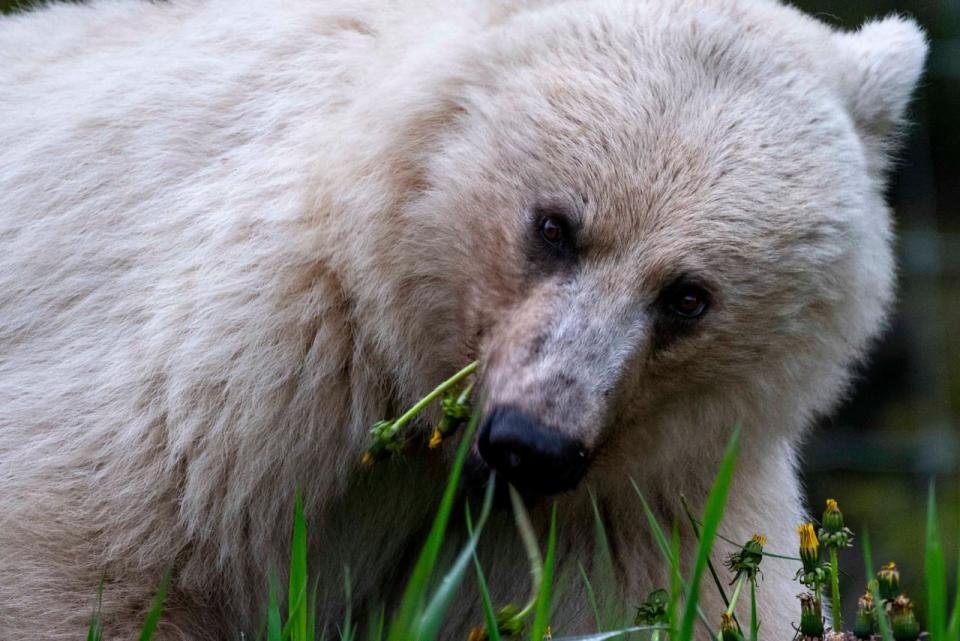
x: 234, y: 233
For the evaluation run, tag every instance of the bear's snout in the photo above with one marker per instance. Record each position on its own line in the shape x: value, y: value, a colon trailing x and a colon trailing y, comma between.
x: 536, y: 459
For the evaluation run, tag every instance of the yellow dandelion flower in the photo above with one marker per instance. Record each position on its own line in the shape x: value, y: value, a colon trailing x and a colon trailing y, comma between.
x: 809, y: 547
x: 436, y: 439
x: 759, y: 539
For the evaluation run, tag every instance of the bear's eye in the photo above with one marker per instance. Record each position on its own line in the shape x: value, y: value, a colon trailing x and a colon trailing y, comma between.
x: 551, y: 230
x: 687, y: 301
x: 552, y: 239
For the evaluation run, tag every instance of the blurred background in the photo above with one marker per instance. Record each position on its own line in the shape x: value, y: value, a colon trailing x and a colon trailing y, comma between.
x: 901, y: 427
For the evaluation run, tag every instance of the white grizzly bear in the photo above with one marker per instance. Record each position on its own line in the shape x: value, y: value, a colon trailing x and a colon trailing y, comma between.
x: 235, y: 233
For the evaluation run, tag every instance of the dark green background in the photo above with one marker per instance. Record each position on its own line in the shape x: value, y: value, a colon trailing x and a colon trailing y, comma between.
x: 900, y: 429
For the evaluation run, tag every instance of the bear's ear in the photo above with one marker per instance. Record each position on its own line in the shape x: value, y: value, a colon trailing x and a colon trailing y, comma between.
x: 880, y: 66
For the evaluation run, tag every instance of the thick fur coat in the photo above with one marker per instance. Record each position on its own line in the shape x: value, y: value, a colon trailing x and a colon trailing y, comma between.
x: 235, y: 233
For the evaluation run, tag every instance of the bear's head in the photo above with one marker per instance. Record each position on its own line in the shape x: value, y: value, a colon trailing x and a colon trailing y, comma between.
x: 658, y: 219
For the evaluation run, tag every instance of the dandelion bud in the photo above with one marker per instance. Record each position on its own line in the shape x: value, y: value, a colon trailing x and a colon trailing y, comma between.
x: 904, y: 623
x: 832, y: 517
x: 811, y: 618
x: 653, y: 611
x: 385, y: 441
x: 747, y: 559
x: 509, y: 621
x: 863, y: 623
x: 729, y: 629
x: 456, y: 409
x: 809, y: 547
x: 478, y: 634
x: 888, y: 580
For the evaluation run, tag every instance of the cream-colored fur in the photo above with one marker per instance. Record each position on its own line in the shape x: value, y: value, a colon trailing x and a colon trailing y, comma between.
x: 234, y: 233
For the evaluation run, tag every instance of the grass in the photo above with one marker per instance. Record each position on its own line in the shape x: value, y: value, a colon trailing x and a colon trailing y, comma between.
x: 423, y: 609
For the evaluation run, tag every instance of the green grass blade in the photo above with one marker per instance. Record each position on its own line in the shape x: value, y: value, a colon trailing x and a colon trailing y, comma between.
x: 376, y: 626
x: 880, y: 615
x: 489, y: 616
x: 432, y: 618
x: 298, y: 588
x: 347, y: 632
x: 710, y: 567
x: 542, y: 613
x: 591, y: 596
x: 152, y: 620
x: 95, y: 630
x: 936, y: 573
x: 655, y: 528
x: 529, y: 539
x: 953, y: 629
x: 605, y: 573
x: 661, y: 541
x: 712, y: 515
x: 676, y: 577
x: 754, y: 622
x: 402, y: 626
x: 274, y: 631
x: 312, y: 610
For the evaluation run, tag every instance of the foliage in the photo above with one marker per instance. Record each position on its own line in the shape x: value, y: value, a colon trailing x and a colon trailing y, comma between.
x: 422, y: 610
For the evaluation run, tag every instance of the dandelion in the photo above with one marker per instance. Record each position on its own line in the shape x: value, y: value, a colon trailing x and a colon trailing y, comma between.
x: 809, y: 547
x: 832, y: 517
x: 477, y: 634
x: 811, y: 617
x: 746, y: 561
x: 834, y: 536
x: 387, y: 438
x: 729, y: 630
x: 888, y: 580
x: 653, y: 611
x: 456, y: 409
x: 510, y: 621
x: 746, y: 564
x: 904, y: 622
x: 813, y: 574
x: 863, y: 624
x: 509, y: 624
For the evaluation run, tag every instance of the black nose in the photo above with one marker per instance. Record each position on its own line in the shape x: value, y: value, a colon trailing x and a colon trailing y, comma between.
x: 536, y: 459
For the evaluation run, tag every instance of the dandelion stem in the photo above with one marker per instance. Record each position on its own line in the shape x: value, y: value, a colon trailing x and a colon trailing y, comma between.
x: 432, y: 396
x: 835, y: 589
x: 736, y: 594
x: 533, y: 553
x: 733, y: 600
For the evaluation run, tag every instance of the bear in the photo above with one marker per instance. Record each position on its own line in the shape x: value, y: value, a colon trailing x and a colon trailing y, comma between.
x: 235, y: 233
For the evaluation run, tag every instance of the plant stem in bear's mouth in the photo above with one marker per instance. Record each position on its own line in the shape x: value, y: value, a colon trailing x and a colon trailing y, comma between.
x: 385, y: 433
